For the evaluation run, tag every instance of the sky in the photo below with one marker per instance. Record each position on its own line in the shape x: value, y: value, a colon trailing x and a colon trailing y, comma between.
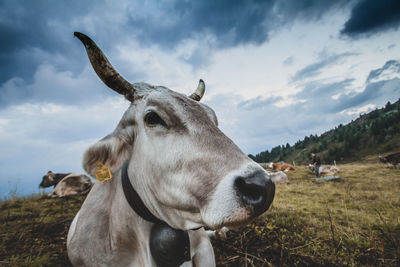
x: 275, y: 71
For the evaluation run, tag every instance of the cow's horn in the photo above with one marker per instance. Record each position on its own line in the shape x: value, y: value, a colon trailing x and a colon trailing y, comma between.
x: 198, y: 94
x: 104, y: 69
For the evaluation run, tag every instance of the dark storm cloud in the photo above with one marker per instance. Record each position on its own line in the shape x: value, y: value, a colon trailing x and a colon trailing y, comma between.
x: 26, y: 25
x: 48, y: 25
x: 232, y: 22
x: 316, y: 68
x: 372, y: 16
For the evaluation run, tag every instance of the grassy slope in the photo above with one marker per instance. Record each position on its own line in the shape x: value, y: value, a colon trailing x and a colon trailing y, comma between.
x: 356, y: 222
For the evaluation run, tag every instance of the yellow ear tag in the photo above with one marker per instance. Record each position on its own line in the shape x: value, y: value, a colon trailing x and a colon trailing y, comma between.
x: 102, y: 173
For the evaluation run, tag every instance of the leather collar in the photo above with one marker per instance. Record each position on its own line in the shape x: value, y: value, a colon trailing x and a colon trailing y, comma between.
x: 168, y: 246
x: 133, y: 198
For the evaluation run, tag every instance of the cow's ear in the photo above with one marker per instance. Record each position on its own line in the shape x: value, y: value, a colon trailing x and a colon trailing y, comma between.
x: 112, y: 151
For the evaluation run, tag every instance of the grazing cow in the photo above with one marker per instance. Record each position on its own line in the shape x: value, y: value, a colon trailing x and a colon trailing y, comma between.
x: 280, y: 166
x: 325, y: 169
x: 72, y: 184
x: 393, y: 159
x: 278, y: 177
x: 171, y: 172
x: 52, y: 179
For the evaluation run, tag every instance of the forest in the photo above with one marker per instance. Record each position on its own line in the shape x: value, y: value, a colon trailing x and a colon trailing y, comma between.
x: 375, y: 132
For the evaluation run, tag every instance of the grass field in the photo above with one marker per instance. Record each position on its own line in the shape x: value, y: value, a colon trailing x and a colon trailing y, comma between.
x: 350, y: 223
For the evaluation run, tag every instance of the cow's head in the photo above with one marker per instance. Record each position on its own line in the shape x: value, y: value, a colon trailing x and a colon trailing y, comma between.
x: 48, y: 179
x: 187, y: 172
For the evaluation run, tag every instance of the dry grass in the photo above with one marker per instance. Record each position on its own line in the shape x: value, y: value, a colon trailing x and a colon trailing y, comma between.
x: 352, y: 223
x: 33, y: 230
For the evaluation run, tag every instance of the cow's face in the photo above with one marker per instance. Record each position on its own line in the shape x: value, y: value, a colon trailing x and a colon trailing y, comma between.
x: 48, y: 179
x: 187, y: 172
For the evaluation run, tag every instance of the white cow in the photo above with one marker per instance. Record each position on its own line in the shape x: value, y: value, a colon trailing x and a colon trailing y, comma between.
x: 71, y: 185
x: 66, y: 184
x: 173, y: 173
x: 278, y: 177
x: 325, y: 169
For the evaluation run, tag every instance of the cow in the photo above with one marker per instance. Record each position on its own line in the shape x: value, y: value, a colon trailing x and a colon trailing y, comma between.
x: 52, y: 179
x: 71, y: 185
x: 391, y: 159
x: 66, y: 184
x: 170, y: 172
x: 278, y: 177
x: 280, y: 166
x: 325, y: 169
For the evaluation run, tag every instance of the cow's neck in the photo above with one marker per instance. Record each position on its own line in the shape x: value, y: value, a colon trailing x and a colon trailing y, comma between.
x: 127, y: 230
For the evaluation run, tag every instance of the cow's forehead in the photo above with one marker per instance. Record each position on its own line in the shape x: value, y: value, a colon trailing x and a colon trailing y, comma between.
x: 169, y: 100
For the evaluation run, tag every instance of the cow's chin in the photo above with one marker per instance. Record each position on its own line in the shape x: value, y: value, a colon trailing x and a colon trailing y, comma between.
x: 238, y: 218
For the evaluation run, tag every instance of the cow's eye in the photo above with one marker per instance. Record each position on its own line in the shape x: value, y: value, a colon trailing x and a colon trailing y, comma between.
x: 152, y: 119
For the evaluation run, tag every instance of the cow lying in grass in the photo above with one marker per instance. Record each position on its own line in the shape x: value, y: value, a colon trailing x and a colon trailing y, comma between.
x: 325, y: 169
x: 278, y: 177
x: 52, y: 179
x: 66, y: 184
x: 285, y: 167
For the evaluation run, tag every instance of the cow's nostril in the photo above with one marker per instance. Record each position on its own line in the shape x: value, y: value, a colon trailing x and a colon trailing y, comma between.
x: 255, y: 191
x: 250, y: 192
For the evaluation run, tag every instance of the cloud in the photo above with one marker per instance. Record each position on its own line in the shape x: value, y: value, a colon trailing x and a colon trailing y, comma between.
x: 25, y: 26
x: 356, y: 111
x: 370, y: 17
x: 390, y: 70
x: 382, y: 85
x: 316, y: 68
x: 288, y: 61
x: 50, y: 85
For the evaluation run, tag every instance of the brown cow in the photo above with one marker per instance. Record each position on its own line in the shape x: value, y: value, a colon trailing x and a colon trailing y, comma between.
x: 280, y: 166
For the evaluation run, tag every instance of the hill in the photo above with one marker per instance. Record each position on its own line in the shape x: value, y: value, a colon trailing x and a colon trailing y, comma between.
x: 375, y: 132
x: 353, y: 223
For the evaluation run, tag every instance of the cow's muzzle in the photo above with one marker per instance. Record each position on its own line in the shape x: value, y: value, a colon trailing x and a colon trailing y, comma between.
x: 256, y: 192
